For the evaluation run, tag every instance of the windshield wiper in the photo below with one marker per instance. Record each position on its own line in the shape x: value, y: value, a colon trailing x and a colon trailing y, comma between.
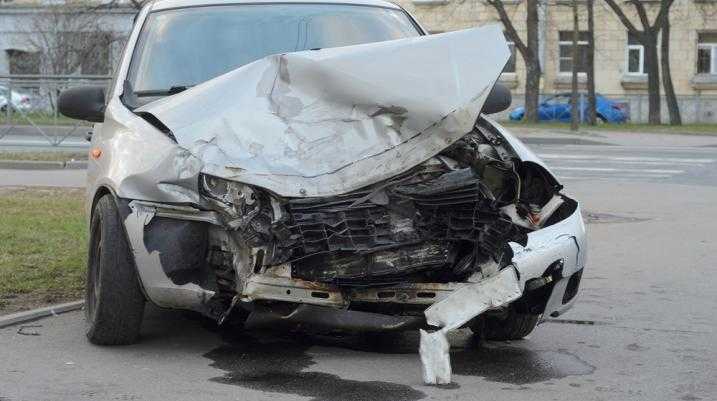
x: 162, y: 92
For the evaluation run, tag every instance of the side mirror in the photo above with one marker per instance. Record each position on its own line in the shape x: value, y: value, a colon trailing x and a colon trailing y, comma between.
x: 83, y: 103
x: 498, y: 99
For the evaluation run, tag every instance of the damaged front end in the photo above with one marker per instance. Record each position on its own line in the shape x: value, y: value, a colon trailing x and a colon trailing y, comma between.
x: 372, y: 259
x: 339, y: 190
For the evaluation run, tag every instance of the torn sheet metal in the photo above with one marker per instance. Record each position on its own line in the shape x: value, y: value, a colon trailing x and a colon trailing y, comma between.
x: 455, y: 311
x: 533, y: 221
x: 471, y: 300
x: 157, y: 286
x: 325, y: 122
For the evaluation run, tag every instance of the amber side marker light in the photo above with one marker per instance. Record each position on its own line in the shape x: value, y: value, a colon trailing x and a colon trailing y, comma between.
x: 95, y: 153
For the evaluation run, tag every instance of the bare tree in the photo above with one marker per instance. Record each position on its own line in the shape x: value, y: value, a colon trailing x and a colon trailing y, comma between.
x: 528, y: 50
x: 592, y: 114
x: 672, y: 106
x: 70, y: 39
x: 574, y: 101
x: 647, y: 36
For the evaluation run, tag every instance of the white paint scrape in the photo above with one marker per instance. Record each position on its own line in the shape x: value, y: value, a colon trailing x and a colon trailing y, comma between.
x: 455, y: 311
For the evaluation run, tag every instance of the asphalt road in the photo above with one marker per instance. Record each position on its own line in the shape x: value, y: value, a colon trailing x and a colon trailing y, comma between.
x: 43, y: 137
x: 644, y: 328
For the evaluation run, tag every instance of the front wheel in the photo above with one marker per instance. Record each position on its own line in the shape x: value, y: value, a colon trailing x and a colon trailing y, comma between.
x: 114, y: 303
x: 512, y: 326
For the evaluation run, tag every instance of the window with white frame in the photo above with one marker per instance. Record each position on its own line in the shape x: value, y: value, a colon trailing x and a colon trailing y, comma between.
x: 510, y: 65
x: 565, y: 51
x: 707, y: 53
x: 635, y: 55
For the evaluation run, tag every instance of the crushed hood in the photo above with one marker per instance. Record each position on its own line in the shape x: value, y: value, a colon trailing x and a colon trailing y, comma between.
x: 326, y: 122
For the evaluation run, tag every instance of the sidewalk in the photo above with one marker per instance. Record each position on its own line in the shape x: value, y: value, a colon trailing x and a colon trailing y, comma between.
x: 68, y: 178
x: 585, y: 136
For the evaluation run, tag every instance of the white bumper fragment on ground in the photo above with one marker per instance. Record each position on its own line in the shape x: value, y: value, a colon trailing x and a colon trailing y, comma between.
x: 455, y: 311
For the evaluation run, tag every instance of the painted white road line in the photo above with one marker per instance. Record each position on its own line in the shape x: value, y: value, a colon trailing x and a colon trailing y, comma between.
x: 611, y: 178
x: 617, y: 170
x: 555, y: 162
x: 625, y: 158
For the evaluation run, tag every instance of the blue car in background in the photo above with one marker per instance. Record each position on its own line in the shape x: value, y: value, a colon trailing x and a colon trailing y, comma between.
x: 557, y: 108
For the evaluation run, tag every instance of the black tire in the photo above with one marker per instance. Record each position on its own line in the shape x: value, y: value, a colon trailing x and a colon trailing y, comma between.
x: 600, y: 119
x: 513, y: 326
x: 114, y: 303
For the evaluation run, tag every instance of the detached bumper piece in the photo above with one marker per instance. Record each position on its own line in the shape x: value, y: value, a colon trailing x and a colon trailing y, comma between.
x: 455, y: 311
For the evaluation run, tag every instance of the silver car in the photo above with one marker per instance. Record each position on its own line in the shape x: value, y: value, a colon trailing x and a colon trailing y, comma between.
x: 322, y: 164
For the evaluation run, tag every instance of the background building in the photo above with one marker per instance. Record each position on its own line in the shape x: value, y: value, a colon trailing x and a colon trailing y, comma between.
x: 66, y: 38
x: 52, y: 38
x: 619, y: 59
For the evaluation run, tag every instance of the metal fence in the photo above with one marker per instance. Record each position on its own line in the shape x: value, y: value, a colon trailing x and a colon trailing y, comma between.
x: 28, y: 109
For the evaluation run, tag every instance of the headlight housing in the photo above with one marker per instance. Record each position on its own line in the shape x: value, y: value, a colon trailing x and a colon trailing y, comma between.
x: 237, y: 199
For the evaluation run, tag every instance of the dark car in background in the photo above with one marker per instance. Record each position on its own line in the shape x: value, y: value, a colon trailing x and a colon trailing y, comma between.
x: 557, y: 108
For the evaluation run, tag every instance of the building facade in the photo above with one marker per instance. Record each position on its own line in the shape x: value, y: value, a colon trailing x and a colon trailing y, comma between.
x: 54, y: 39
x: 619, y: 59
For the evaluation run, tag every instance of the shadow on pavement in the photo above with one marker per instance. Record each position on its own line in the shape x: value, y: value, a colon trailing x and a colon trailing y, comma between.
x: 277, y: 361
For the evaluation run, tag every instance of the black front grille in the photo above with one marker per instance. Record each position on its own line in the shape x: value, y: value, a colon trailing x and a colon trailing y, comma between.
x: 345, y: 231
x: 318, y: 226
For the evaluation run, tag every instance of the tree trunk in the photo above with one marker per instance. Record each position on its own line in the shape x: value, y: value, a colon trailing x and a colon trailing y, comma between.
x: 653, y: 78
x: 648, y: 38
x: 672, y: 106
x: 592, y: 114
x: 574, y: 102
x: 532, y: 64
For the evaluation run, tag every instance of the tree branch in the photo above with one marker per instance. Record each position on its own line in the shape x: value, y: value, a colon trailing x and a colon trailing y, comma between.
x: 662, y: 15
x: 640, y: 8
x: 623, y: 18
x: 510, y: 29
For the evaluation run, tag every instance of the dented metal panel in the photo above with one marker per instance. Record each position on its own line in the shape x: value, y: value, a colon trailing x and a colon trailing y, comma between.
x: 157, y: 286
x: 325, y: 122
x: 472, y: 299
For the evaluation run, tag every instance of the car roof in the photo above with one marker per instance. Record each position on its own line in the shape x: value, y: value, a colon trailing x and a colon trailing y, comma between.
x: 169, y: 4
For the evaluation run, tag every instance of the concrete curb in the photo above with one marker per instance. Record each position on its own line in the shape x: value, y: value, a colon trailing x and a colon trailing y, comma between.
x: 42, y: 165
x: 27, y: 316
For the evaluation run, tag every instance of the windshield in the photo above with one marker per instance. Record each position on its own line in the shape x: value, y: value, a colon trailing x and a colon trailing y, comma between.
x: 180, y: 48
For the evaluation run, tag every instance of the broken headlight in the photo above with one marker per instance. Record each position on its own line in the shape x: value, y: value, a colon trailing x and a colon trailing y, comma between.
x: 239, y: 201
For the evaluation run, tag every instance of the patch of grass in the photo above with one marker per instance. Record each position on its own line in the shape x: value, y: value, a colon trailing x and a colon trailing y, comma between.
x: 52, y: 156
x: 37, y: 118
x: 42, y: 247
x: 686, y: 129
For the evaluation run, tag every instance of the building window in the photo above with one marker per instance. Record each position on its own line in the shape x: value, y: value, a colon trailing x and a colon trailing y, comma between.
x: 635, y: 55
x: 566, y: 51
x: 510, y: 65
x: 707, y: 53
x: 22, y: 62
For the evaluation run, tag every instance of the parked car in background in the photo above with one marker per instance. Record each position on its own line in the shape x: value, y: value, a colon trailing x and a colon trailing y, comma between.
x: 557, y: 108
x: 18, y: 101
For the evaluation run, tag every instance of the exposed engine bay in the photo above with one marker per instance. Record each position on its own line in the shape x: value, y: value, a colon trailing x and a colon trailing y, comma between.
x: 438, y: 224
